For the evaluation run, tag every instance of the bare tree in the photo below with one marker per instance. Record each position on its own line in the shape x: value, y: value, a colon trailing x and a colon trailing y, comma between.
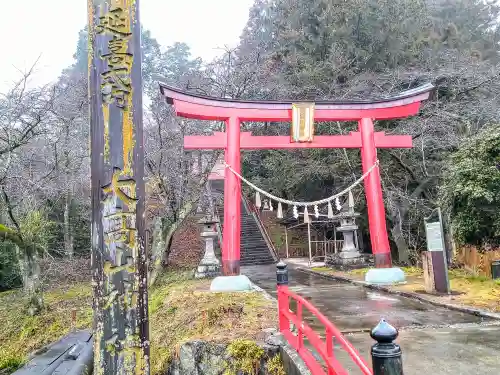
x: 24, y: 116
x: 70, y: 146
x: 175, y: 180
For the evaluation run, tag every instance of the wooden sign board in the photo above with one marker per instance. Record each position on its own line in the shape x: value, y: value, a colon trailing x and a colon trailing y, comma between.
x: 302, y: 122
x: 434, y: 236
x: 435, y: 260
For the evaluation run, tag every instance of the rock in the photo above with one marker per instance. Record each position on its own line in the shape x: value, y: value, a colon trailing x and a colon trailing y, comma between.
x: 270, y: 350
x: 198, y: 358
x: 212, y: 360
x: 203, y: 358
x: 275, y: 339
x: 270, y: 330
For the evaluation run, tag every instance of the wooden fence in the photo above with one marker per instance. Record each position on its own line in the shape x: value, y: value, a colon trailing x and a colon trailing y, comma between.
x: 476, y: 260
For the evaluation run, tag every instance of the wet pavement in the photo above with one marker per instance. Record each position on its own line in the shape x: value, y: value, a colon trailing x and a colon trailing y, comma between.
x: 472, y: 350
x: 435, y: 340
x: 355, y: 308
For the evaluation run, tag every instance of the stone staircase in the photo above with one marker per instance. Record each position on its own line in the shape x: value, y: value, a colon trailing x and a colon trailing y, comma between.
x: 254, y: 249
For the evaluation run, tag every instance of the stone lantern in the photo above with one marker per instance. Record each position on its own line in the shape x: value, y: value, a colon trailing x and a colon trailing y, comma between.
x: 348, y: 229
x: 349, y: 254
x: 209, y: 265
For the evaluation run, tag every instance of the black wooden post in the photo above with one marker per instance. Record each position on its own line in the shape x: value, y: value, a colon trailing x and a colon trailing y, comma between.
x: 117, y: 164
x: 281, y: 274
x: 386, y: 355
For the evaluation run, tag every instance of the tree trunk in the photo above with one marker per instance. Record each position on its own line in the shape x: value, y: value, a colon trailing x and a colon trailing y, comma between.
x: 162, y: 239
x: 30, y: 271
x: 448, y: 238
x: 68, y: 237
x: 399, y: 240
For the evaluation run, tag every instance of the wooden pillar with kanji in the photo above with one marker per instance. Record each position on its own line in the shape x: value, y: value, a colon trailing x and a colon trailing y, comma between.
x: 121, y: 342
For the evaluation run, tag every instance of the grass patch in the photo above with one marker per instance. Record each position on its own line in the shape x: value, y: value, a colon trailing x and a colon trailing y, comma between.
x: 21, y: 334
x: 473, y: 290
x: 275, y: 366
x: 409, y: 271
x: 185, y: 311
x: 246, y: 356
x: 181, y: 309
x: 478, y: 291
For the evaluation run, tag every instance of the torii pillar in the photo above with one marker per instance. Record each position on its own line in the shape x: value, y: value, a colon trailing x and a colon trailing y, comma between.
x: 303, y: 116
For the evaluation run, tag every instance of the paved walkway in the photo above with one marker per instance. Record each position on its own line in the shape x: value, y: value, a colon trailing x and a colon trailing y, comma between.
x: 433, y: 338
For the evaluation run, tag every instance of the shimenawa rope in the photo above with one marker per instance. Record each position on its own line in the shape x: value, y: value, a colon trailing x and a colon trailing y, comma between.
x: 304, y: 204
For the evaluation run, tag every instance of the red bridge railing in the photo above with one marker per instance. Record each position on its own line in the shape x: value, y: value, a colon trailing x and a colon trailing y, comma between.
x: 383, y: 333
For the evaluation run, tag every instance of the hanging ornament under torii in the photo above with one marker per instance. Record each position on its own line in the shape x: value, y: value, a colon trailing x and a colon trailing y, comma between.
x: 306, y: 216
x: 337, y: 204
x: 279, y: 214
x: 258, y: 202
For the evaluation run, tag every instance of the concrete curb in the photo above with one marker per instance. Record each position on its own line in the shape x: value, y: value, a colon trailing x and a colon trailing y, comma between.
x: 469, y: 310
x: 266, y: 295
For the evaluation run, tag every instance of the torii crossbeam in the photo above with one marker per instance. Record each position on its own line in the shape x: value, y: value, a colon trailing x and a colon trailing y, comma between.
x: 303, y: 116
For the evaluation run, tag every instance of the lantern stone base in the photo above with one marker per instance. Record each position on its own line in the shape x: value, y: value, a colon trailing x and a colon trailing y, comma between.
x: 353, y: 259
x: 209, y: 266
x: 385, y: 276
x: 208, y: 269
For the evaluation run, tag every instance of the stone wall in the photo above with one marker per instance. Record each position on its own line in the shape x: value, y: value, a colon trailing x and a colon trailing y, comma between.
x: 240, y: 357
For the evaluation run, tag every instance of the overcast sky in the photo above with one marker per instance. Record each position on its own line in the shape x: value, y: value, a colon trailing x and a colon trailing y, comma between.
x: 49, y: 29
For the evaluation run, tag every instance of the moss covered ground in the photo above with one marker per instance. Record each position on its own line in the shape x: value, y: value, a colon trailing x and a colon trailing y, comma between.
x: 467, y: 288
x: 181, y: 309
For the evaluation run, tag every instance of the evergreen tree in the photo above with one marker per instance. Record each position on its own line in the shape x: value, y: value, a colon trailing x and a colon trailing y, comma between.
x: 471, y: 189
x: 318, y: 49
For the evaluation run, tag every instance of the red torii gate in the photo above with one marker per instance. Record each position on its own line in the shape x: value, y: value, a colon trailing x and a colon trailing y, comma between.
x: 233, y: 112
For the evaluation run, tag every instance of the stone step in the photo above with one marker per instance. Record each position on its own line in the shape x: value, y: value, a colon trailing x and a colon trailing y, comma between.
x: 260, y: 249
x: 261, y: 246
x: 250, y: 240
x: 249, y: 262
x: 271, y: 261
x: 255, y: 262
x: 254, y: 246
x: 256, y: 251
x: 255, y: 254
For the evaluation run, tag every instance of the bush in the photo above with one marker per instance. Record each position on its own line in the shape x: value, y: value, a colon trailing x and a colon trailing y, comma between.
x: 9, y: 267
x: 471, y: 189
